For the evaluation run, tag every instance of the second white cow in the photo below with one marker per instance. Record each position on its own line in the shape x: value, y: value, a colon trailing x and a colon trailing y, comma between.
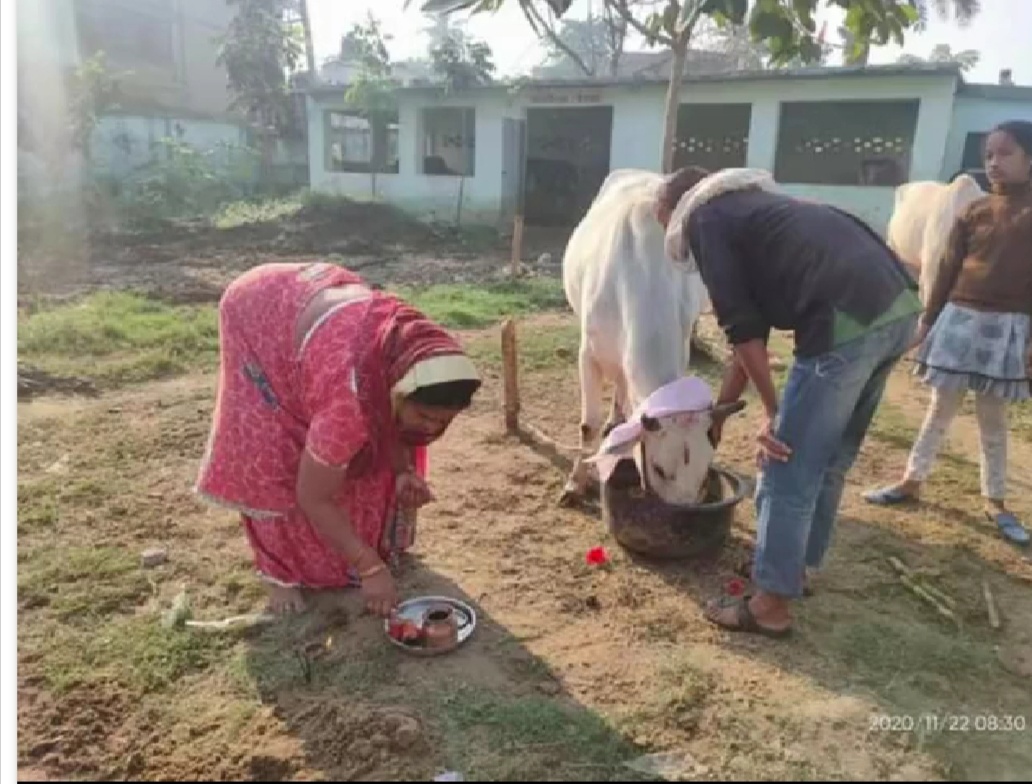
x: 636, y: 311
x: 922, y: 218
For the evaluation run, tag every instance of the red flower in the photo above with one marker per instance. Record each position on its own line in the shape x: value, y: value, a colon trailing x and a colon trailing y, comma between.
x: 597, y: 556
x: 735, y: 587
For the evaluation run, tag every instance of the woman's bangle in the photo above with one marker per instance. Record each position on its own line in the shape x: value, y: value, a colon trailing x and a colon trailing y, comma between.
x: 372, y: 571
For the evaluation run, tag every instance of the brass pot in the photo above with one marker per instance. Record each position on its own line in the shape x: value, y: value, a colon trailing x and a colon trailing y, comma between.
x: 440, y: 627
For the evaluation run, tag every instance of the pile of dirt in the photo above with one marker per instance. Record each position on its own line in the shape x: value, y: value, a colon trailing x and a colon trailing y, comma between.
x: 33, y: 382
x: 349, y: 741
x: 64, y: 747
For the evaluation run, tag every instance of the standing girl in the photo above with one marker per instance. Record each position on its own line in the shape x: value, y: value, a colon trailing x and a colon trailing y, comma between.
x: 975, y: 333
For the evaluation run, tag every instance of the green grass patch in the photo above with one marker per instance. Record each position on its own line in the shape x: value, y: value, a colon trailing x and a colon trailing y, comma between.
x: 460, y: 306
x: 80, y: 584
x: 119, y: 337
x: 907, y: 661
x: 139, y: 654
x: 540, y: 349
x: 494, y: 737
x: 246, y: 213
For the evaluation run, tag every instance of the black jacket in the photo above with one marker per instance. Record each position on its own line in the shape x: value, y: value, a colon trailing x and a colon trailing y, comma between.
x: 771, y: 261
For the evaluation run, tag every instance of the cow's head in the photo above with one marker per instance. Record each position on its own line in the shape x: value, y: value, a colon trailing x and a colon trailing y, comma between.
x: 677, y: 451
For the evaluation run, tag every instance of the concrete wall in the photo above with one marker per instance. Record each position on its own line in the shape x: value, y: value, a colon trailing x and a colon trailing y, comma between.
x: 637, y: 136
x: 123, y: 143
x: 977, y: 114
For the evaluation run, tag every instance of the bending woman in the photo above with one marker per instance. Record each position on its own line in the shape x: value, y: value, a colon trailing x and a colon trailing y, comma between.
x: 329, y: 393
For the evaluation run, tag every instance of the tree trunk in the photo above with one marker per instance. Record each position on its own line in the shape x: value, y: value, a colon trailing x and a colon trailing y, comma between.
x: 673, y: 102
x: 306, y: 25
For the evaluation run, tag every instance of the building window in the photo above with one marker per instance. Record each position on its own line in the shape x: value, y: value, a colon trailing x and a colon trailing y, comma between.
x: 129, y: 33
x: 846, y: 142
x: 449, y: 141
x: 356, y: 144
x: 712, y: 135
x: 974, y: 151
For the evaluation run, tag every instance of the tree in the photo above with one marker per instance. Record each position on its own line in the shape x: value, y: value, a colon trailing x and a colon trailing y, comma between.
x: 857, y: 50
x: 593, y: 45
x: 749, y: 55
x: 462, y: 61
x: 371, y: 92
x: 259, y: 50
x: 297, y: 14
x: 92, y: 91
x: 966, y: 59
x: 962, y: 11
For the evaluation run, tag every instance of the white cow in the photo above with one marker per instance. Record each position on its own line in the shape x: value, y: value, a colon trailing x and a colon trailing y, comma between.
x: 922, y: 218
x: 636, y: 310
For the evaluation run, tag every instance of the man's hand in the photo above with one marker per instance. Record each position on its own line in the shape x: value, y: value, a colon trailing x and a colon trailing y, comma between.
x: 768, y: 447
x: 919, y: 336
x: 412, y: 491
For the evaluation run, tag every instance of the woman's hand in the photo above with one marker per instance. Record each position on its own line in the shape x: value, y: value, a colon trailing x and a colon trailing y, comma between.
x: 379, y: 591
x: 412, y: 491
x: 769, y: 447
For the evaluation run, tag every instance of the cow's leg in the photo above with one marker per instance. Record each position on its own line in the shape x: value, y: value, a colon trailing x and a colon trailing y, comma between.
x: 617, y: 413
x: 591, y: 384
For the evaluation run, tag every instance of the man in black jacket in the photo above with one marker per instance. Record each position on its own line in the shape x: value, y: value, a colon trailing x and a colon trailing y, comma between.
x: 770, y: 261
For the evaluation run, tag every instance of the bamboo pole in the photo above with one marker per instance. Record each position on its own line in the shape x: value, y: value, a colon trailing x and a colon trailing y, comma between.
x: 990, y: 604
x: 510, y: 377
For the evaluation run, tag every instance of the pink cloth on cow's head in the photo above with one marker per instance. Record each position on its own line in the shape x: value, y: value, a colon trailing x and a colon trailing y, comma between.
x: 688, y: 395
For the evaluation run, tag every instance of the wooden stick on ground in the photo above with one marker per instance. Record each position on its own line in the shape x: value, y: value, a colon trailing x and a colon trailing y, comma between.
x: 990, y: 603
x: 939, y: 596
x: 900, y: 567
x: 942, y: 596
x: 510, y: 377
x: 921, y: 593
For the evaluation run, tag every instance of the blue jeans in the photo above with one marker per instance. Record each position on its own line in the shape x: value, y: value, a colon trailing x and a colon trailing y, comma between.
x: 826, y: 409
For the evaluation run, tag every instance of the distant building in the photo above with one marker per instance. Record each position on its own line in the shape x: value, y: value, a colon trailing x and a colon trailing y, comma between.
x: 164, y: 54
x: 848, y: 136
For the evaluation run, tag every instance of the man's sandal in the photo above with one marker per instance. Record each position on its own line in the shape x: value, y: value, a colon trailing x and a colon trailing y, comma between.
x: 745, y: 621
x: 1009, y: 526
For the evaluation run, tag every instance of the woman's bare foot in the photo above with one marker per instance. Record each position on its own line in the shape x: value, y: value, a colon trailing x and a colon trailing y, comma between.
x: 285, y: 600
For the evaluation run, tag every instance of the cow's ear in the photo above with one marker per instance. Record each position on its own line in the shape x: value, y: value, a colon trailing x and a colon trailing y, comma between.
x: 722, y: 411
x: 651, y: 424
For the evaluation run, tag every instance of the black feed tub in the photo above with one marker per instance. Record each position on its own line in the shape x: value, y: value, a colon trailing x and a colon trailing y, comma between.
x: 645, y: 524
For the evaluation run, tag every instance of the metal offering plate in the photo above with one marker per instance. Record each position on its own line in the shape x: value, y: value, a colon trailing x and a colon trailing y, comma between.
x: 414, y: 611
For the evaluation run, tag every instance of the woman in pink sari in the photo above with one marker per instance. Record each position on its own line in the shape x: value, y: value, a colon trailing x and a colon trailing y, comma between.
x: 329, y: 393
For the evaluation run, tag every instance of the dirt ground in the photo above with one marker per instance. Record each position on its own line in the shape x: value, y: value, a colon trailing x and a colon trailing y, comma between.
x: 572, y: 670
x: 193, y: 263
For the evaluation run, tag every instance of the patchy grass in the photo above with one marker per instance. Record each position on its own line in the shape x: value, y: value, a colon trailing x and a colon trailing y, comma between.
x: 191, y: 702
x: 119, y: 337
x: 135, y: 654
x: 473, y: 307
x: 545, y: 347
x: 247, y: 213
x: 497, y: 737
x: 80, y: 584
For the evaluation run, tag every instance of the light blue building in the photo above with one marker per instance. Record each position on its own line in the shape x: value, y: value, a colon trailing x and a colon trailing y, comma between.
x: 845, y: 135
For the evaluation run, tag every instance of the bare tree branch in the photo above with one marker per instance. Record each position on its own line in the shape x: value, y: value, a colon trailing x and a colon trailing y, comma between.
x: 538, y: 23
x: 617, y: 31
x: 622, y: 10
